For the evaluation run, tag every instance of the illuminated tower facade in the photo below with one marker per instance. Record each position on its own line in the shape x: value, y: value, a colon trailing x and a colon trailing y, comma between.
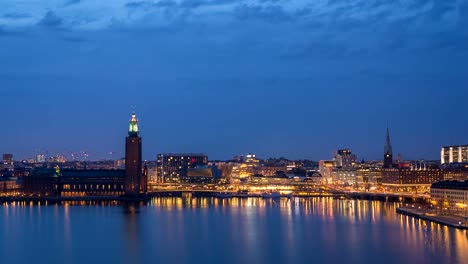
x: 388, y: 152
x: 134, y: 182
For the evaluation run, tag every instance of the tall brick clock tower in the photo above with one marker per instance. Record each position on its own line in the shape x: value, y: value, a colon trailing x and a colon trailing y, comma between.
x: 134, y: 184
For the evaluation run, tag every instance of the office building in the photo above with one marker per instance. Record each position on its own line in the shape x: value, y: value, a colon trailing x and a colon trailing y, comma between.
x: 40, y: 158
x: 8, y: 159
x: 345, y: 175
x: 417, y: 174
x: 174, y: 167
x: 326, y: 170
x: 344, y: 158
x: 454, y: 154
x: 451, y: 195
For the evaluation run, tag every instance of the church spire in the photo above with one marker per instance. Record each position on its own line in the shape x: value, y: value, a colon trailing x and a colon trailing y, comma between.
x: 388, y: 144
x: 388, y: 151
x: 133, y: 126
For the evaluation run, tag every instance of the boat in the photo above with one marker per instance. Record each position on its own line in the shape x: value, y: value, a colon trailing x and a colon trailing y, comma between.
x: 271, y: 195
x: 243, y: 194
x: 223, y: 195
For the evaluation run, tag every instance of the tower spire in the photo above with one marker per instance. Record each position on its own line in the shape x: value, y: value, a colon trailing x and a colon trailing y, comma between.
x: 388, y: 151
x: 133, y: 126
x: 388, y: 143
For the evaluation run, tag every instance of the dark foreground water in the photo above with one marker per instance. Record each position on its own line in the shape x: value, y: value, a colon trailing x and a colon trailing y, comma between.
x: 208, y: 230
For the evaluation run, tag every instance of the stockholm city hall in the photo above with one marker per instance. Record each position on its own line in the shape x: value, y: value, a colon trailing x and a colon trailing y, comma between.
x: 130, y: 183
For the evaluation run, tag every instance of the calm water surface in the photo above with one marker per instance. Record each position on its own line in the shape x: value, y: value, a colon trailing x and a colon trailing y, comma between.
x: 209, y: 230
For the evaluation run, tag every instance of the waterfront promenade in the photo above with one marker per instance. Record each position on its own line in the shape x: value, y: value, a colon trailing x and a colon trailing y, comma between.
x: 452, y: 220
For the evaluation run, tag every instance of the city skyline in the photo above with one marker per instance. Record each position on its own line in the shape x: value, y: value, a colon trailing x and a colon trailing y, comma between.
x: 114, y: 155
x: 275, y: 78
x: 234, y: 131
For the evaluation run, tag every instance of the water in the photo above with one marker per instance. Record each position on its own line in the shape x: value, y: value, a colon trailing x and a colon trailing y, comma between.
x: 209, y: 230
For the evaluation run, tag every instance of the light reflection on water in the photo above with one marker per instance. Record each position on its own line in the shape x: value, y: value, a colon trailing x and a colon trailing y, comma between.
x: 210, y: 230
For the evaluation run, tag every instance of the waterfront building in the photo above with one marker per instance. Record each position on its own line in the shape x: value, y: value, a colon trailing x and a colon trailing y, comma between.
x: 455, y: 171
x: 135, y: 180
x: 451, y: 195
x: 270, y: 171
x: 417, y: 174
x: 202, y: 174
x: 369, y: 174
x: 173, y: 167
x: 8, y: 186
x: 344, y: 158
x: 345, y: 175
x: 245, y: 167
x: 93, y: 182
x: 326, y: 170
x: 74, y: 183
x: 41, y: 182
x: 388, y: 152
x: 454, y: 154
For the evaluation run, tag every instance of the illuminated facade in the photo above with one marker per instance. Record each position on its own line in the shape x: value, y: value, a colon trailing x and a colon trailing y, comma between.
x: 415, y: 176
x: 451, y: 195
x: 454, y: 154
x: 326, y: 170
x: 135, y: 180
x: 245, y: 167
x: 344, y: 158
x: 345, y: 175
x: 174, y: 168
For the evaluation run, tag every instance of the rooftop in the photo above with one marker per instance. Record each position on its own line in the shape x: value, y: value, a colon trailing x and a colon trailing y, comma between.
x: 182, y: 154
x: 457, y: 185
x: 455, y: 146
x: 92, y: 173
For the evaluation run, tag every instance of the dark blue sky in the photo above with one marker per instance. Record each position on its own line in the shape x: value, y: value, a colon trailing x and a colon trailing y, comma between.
x: 227, y: 77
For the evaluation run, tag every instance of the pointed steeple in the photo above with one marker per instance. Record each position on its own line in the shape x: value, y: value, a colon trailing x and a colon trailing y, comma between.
x: 388, y: 144
x: 388, y: 151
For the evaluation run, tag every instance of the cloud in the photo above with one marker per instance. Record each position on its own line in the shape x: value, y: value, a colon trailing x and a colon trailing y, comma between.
x: 72, y: 2
x: 15, y: 15
x: 359, y: 24
x: 272, y: 13
x: 51, y: 20
x: 139, y: 4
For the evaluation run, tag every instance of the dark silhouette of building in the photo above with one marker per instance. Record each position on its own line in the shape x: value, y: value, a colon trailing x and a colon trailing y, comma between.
x: 134, y: 180
x: 8, y: 159
x: 388, y: 152
x: 74, y: 183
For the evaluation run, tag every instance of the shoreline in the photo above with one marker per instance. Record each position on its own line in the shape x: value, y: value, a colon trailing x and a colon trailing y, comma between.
x: 446, y: 220
x: 185, y: 194
x: 146, y: 198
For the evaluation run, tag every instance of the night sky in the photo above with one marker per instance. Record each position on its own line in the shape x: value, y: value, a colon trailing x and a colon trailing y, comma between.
x: 226, y: 77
